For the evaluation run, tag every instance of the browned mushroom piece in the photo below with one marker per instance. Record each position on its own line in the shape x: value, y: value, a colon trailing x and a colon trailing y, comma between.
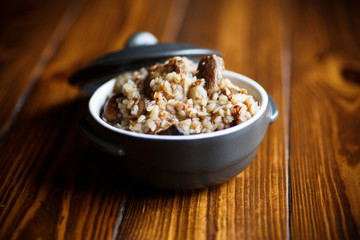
x: 151, y: 75
x: 175, y: 64
x: 211, y: 68
x: 111, y: 110
x: 142, y: 105
x: 172, y: 130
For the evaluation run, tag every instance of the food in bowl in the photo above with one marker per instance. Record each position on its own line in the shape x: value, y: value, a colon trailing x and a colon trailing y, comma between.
x: 178, y: 98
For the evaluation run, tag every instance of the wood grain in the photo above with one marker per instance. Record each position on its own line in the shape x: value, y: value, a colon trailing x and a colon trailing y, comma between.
x: 325, y: 123
x: 52, y: 184
x: 303, y: 183
x: 30, y: 32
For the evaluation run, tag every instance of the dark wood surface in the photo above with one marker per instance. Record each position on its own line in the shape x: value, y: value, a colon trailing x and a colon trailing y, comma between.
x: 304, y: 182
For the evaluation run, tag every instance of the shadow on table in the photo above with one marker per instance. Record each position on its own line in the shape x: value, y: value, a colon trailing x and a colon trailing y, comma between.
x: 70, y: 162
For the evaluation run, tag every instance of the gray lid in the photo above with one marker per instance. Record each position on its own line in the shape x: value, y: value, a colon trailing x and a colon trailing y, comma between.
x: 141, y: 50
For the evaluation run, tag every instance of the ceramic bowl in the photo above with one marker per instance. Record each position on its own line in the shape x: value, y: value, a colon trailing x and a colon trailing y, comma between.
x: 182, y: 162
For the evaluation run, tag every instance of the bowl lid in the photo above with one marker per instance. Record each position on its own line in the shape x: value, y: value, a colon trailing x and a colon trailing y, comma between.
x: 141, y: 50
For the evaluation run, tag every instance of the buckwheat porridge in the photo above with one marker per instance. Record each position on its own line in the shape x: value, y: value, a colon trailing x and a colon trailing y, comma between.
x: 178, y: 98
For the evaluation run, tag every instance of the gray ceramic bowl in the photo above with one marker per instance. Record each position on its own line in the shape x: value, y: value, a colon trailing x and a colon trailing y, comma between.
x: 182, y: 162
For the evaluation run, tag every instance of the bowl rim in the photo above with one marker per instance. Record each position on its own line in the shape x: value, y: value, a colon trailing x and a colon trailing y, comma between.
x: 95, y: 114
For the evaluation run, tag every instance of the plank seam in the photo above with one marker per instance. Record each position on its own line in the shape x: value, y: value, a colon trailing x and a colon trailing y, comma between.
x: 286, y: 62
x: 120, y: 218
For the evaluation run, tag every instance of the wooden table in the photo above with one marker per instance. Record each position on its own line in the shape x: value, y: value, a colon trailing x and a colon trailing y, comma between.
x: 304, y: 182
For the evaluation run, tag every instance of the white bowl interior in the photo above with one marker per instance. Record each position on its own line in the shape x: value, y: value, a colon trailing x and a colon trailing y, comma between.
x: 100, y: 95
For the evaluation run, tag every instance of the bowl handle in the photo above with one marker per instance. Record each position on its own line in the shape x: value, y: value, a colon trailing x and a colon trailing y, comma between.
x: 273, y: 111
x: 98, y: 141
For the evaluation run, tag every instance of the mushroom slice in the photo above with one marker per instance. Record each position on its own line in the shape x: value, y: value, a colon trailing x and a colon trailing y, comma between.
x: 172, y: 130
x: 211, y: 68
x: 142, y: 105
x: 111, y: 110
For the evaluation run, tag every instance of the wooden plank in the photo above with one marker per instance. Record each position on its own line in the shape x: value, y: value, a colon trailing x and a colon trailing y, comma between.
x: 112, y: 30
x: 252, y: 205
x: 30, y: 31
x: 53, y: 185
x: 65, y: 190
x: 325, y: 126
